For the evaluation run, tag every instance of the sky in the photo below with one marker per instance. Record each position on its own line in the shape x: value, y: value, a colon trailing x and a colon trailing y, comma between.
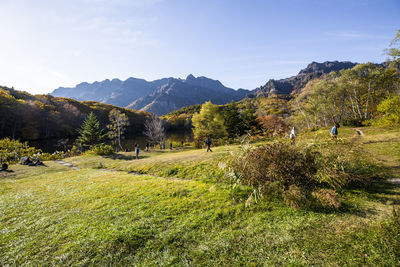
x: 45, y: 44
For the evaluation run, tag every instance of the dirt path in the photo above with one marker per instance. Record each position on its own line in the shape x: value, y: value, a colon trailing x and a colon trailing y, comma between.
x: 66, y: 164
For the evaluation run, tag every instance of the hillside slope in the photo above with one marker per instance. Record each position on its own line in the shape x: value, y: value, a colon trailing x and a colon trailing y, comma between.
x: 33, y: 117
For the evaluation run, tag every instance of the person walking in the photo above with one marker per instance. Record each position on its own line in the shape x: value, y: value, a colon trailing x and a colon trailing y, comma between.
x: 292, y: 135
x: 147, y: 147
x: 208, y: 143
x: 182, y: 144
x: 170, y: 145
x: 137, y: 150
x: 334, y: 131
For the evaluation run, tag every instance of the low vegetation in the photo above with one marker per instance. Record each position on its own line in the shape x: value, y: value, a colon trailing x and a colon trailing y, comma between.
x: 55, y: 215
x: 305, y: 175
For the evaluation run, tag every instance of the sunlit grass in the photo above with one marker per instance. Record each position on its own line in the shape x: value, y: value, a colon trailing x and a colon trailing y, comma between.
x: 55, y: 215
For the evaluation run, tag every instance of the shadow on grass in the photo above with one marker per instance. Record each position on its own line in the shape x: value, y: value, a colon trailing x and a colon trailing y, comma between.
x: 124, y: 157
x: 6, y: 171
x: 384, y: 192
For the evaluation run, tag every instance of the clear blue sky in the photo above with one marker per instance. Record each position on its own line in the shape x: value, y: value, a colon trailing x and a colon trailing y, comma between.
x: 50, y: 43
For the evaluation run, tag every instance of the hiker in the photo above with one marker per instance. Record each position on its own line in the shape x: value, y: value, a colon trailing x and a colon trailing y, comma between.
x: 170, y: 145
x: 292, y: 135
x: 137, y: 150
x: 334, y: 131
x: 208, y: 143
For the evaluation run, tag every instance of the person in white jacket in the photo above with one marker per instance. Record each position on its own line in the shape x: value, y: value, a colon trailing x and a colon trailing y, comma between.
x: 292, y: 135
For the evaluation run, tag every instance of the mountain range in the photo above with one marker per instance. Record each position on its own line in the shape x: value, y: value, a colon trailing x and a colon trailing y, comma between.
x: 295, y: 83
x: 167, y: 94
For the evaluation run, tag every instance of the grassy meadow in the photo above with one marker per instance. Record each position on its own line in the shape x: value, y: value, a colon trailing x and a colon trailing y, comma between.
x: 173, y: 208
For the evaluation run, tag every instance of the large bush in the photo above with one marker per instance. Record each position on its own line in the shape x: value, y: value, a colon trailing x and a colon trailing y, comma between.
x: 101, y: 149
x: 302, y: 176
x: 278, y: 162
x: 12, y: 150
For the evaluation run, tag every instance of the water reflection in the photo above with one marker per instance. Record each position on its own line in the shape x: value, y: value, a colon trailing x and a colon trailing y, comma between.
x: 51, y: 145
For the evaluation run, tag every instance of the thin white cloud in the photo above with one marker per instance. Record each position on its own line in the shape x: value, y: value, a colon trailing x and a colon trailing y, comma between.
x: 353, y: 35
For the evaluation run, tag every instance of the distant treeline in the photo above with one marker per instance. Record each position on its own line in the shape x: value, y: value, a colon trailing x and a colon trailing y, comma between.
x: 34, y: 117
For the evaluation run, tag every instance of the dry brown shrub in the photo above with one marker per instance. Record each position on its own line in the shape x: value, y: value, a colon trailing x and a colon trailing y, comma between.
x: 295, y: 197
x: 278, y: 162
x: 328, y: 198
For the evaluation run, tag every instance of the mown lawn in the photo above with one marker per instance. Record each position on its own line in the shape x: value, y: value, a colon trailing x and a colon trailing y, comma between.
x: 55, y: 215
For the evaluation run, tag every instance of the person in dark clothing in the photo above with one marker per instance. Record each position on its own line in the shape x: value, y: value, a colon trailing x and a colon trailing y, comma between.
x: 182, y: 144
x: 137, y: 150
x: 334, y: 131
x: 170, y: 145
x: 208, y: 143
x: 147, y: 147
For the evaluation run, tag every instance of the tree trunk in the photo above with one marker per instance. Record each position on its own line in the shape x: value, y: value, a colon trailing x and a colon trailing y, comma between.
x: 352, y: 107
x: 366, y: 105
x: 358, y: 103
x: 305, y: 117
x: 119, y: 135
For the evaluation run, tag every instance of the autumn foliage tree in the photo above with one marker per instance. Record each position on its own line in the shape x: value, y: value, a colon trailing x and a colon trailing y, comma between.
x: 208, y: 123
x: 272, y: 125
x: 118, y: 123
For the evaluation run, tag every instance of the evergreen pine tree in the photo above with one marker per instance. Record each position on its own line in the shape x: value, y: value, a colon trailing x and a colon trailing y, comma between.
x: 249, y: 118
x: 234, y: 123
x: 90, y: 132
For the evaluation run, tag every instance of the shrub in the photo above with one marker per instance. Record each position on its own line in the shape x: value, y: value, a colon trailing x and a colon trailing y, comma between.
x: 278, y: 162
x: 12, y: 150
x: 101, y: 149
x: 345, y: 164
x: 301, y: 174
x: 53, y: 156
x: 295, y: 197
x: 327, y: 198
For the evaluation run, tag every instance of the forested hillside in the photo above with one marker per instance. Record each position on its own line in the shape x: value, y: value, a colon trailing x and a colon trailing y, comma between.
x: 362, y: 95
x: 32, y: 117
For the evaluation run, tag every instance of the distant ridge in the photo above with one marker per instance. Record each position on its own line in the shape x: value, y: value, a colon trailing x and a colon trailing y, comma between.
x: 168, y: 94
x: 295, y: 83
x: 160, y: 96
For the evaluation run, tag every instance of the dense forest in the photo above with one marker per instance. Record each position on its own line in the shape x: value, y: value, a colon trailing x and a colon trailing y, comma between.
x: 35, y: 117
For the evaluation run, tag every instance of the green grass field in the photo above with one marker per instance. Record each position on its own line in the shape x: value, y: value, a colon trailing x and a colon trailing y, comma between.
x: 176, y: 212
